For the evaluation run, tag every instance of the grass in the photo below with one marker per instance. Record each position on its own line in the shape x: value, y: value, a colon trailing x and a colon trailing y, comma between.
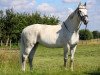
x: 49, y: 61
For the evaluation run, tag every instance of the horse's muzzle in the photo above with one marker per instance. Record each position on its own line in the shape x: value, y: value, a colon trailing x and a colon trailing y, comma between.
x: 86, y: 20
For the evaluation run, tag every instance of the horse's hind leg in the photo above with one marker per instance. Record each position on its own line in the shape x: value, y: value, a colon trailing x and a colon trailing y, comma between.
x: 25, y: 55
x: 31, y: 55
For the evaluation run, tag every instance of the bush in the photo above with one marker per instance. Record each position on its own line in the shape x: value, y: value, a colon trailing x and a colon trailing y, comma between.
x: 85, y: 35
x: 12, y: 23
x: 96, y: 34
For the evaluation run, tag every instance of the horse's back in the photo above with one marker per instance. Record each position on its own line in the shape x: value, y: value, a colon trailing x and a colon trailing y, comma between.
x: 49, y: 35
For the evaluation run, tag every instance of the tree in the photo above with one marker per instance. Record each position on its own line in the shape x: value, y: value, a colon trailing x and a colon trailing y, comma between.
x: 96, y: 34
x: 8, y: 26
x: 85, y: 35
x: 12, y: 23
x: 50, y: 20
x: 1, y: 22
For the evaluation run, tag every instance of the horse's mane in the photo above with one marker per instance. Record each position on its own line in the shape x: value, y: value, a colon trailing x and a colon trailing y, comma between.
x: 72, y: 14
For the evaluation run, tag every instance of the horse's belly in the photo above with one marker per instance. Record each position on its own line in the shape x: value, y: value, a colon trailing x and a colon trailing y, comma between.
x: 50, y: 42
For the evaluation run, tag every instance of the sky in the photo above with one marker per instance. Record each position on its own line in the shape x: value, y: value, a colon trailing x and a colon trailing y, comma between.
x: 57, y: 8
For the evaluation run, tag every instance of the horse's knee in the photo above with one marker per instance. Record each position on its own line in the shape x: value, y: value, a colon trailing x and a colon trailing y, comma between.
x: 24, y: 57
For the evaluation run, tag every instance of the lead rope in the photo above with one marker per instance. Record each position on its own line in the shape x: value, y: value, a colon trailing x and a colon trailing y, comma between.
x: 85, y: 28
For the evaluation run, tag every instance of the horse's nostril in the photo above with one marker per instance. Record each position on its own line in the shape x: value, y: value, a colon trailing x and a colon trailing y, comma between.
x: 85, y: 22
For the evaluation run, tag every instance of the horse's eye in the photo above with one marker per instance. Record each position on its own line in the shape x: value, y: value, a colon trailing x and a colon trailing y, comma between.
x: 79, y: 11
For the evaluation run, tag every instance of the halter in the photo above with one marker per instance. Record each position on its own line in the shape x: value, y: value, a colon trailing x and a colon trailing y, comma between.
x: 81, y: 16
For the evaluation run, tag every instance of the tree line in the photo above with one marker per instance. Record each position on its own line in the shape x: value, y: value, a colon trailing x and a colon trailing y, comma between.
x: 88, y: 35
x: 12, y: 23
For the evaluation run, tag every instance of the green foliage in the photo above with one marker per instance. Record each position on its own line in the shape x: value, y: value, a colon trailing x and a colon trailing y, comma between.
x: 11, y: 23
x: 96, y: 34
x: 85, y: 35
x: 1, y: 22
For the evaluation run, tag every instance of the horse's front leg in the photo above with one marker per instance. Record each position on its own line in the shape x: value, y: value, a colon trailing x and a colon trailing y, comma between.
x: 72, y: 52
x: 66, y: 54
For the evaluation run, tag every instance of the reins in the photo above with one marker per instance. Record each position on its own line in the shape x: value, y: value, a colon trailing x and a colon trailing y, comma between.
x: 85, y: 28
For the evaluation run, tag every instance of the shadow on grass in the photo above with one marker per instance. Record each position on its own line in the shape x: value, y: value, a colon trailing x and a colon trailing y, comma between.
x: 95, y: 72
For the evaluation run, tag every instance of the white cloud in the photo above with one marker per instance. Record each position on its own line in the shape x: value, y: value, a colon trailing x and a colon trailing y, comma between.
x: 20, y: 5
x: 63, y: 15
x: 45, y: 7
x: 70, y: 1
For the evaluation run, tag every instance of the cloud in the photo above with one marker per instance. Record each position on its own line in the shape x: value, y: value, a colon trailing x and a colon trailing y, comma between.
x: 45, y: 7
x: 22, y: 5
x: 18, y: 5
x: 70, y: 1
x: 63, y: 15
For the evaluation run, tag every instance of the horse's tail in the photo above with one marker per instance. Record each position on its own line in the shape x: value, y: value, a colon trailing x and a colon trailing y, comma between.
x: 22, y: 47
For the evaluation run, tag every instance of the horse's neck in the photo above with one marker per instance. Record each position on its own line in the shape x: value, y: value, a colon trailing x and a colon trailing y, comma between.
x: 73, y: 23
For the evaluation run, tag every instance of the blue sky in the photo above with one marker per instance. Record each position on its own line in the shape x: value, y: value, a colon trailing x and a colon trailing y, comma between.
x: 58, y: 8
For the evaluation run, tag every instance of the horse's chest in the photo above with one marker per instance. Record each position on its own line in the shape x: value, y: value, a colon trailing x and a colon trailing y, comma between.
x: 74, y: 38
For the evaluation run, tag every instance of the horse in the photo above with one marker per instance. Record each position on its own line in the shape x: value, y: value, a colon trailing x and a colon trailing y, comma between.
x: 64, y: 36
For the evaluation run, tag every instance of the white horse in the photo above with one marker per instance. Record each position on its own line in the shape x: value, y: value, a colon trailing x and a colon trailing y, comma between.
x: 65, y: 35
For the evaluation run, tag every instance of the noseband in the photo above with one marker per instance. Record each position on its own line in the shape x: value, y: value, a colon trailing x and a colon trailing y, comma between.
x: 81, y: 16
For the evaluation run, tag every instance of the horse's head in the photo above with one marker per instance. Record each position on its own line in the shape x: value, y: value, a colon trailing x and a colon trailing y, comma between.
x: 82, y: 13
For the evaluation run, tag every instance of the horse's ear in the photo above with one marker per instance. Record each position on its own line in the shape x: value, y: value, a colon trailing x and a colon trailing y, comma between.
x: 79, y: 4
x: 85, y: 4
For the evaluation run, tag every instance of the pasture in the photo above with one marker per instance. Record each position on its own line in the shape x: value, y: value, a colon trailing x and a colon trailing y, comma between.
x: 49, y: 61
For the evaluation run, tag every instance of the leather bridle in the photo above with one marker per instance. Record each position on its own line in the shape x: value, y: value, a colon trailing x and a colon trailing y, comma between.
x: 82, y: 17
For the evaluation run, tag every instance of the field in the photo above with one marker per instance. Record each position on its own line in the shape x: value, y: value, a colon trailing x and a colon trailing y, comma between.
x: 49, y: 61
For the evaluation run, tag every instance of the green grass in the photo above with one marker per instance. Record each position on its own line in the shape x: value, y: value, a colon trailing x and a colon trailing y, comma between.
x: 49, y: 61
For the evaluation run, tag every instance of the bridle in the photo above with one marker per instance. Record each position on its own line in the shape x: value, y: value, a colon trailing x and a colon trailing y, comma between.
x: 82, y: 17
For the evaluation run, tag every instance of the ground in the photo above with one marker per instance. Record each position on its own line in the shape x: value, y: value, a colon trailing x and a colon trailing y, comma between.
x: 49, y: 61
